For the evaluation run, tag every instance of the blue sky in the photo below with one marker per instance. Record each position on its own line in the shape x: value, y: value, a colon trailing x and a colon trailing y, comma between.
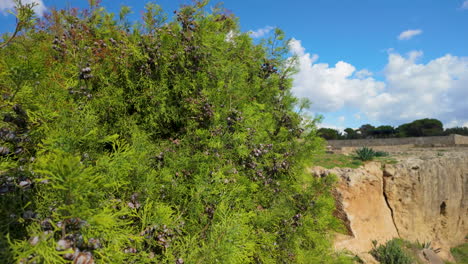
x: 360, y: 61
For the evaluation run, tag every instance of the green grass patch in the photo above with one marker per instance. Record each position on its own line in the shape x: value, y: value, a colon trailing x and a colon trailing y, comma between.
x: 460, y: 253
x: 329, y: 161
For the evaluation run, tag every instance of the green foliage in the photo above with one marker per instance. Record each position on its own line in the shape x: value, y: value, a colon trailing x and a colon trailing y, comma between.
x: 381, y: 154
x: 365, y: 154
x: 25, y: 19
x: 384, y: 131
x: 456, y: 130
x: 161, y: 142
x: 460, y: 253
x: 417, y: 128
x: 390, y: 253
x: 329, y: 133
x: 421, y: 128
x: 351, y: 133
x: 366, y: 130
x: 427, y: 245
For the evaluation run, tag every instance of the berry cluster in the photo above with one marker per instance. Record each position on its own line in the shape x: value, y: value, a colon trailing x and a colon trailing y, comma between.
x: 59, y: 45
x: 85, y: 73
x: 162, y: 234
x: 186, y: 19
x: 153, y: 54
x: 134, y: 203
x: 209, y: 211
x: 9, y: 183
x: 296, y: 220
x: 78, y: 250
x: 233, y: 118
x: 261, y: 150
x: 82, y: 92
x: 15, y: 143
x: 20, y: 120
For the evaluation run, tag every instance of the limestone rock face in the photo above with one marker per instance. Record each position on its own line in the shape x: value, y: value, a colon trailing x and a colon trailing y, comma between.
x: 362, y: 207
x: 429, y: 199
x: 421, y: 199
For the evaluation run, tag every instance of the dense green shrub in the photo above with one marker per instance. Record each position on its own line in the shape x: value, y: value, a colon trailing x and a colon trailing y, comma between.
x: 170, y: 141
x: 365, y: 153
x: 390, y: 253
x: 381, y: 153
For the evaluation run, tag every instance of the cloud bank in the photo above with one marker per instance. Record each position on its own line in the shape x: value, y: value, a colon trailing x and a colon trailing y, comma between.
x: 410, y: 90
x: 260, y: 32
x: 408, y: 34
x: 6, y: 5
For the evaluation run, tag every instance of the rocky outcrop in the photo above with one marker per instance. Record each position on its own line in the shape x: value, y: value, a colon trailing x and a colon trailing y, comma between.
x: 429, y: 199
x: 362, y: 207
x: 430, y: 257
x: 421, y: 199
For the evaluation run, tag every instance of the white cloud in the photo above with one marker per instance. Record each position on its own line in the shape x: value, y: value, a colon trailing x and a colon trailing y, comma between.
x: 341, y: 119
x: 464, y: 5
x: 327, y: 125
x: 411, y: 90
x: 6, y: 5
x: 408, y: 34
x: 260, y: 32
x: 435, y: 89
x: 363, y: 74
x: 330, y: 88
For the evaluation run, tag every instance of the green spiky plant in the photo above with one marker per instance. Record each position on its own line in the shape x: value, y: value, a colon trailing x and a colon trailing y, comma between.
x: 365, y: 154
x: 170, y: 141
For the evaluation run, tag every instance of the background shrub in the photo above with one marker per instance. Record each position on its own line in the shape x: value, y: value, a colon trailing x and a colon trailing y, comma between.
x: 390, y: 253
x: 380, y: 154
x: 365, y: 153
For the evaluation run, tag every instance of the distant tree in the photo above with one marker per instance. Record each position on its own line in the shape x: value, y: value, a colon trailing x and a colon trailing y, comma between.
x: 457, y: 130
x: 421, y: 128
x: 367, y: 130
x: 351, y: 133
x: 384, y: 131
x: 329, y: 133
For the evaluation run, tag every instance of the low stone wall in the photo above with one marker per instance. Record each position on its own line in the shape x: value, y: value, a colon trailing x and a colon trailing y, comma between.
x: 443, y: 141
x: 461, y: 140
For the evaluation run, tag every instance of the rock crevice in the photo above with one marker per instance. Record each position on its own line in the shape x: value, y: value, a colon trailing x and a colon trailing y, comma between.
x: 389, y: 206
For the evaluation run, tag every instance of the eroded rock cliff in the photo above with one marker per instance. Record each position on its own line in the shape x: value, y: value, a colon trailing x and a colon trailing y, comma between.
x: 429, y: 199
x: 421, y: 198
